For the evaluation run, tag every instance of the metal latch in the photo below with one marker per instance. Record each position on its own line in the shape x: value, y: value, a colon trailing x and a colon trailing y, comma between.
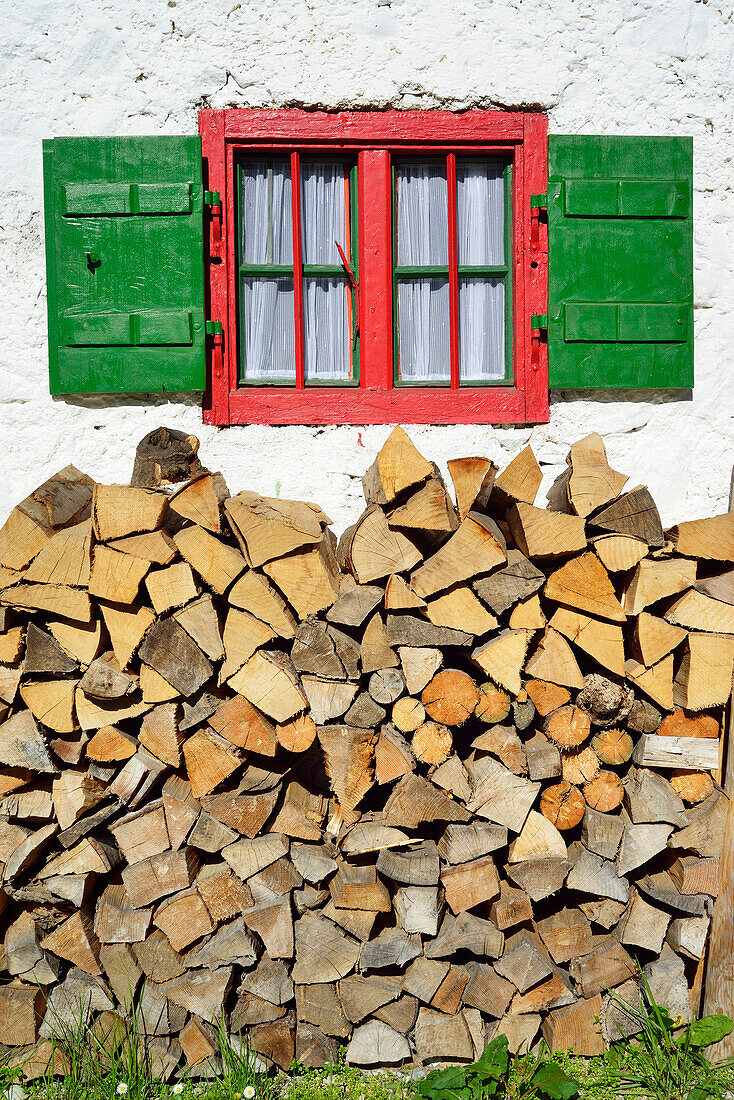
x: 537, y: 203
x: 213, y: 201
x: 538, y: 336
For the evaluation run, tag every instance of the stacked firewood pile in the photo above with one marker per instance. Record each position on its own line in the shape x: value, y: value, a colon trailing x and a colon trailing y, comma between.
x: 450, y: 776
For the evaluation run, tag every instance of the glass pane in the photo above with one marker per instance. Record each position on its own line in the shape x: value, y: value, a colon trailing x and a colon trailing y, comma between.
x: 480, y: 211
x: 423, y: 217
x: 423, y: 326
x: 481, y: 330
x: 324, y: 211
x: 267, y: 228
x: 326, y: 330
x: 268, y: 330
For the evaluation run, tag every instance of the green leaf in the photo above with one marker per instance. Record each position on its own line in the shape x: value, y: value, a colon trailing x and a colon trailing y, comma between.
x: 550, y: 1079
x: 454, y: 1078
x: 494, y: 1058
x: 709, y: 1029
x: 702, y: 1092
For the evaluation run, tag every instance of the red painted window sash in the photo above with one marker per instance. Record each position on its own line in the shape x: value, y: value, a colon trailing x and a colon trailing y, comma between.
x: 525, y: 400
x: 297, y: 268
x: 374, y: 181
x: 453, y: 272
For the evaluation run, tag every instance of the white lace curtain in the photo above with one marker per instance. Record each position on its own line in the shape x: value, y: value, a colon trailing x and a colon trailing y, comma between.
x: 267, y: 228
x: 326, y: 333
x: 423, y: 303
x: 268, y: 325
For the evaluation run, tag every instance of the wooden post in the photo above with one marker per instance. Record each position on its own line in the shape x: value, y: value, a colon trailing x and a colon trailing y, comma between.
x: 719, y: 981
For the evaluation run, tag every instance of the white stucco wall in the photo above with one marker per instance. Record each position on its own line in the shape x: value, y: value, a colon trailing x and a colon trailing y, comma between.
x: 146, y: 66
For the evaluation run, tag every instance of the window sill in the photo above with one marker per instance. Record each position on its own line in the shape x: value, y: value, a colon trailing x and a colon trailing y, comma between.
x: 338, y: 405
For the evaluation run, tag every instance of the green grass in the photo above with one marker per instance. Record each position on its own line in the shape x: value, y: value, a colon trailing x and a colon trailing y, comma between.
x: 664, y: 1062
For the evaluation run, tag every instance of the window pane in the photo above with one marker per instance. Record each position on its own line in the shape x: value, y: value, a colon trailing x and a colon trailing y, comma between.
x: 423, y: 228
x: 324, y: 208
x: 423, y: 326
x: 480, y: 211
x: 326, y: 330
x: 267, y: 229
x: 481, y: 330
x: 268, y: 330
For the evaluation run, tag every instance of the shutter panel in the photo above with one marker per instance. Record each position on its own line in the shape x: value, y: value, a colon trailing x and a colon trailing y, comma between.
x: 124, y: 262
x: 620, y: 253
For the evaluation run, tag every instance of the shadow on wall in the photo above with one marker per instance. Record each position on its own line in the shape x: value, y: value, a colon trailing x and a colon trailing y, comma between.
x: 639, y: 397
x: 123, y: 400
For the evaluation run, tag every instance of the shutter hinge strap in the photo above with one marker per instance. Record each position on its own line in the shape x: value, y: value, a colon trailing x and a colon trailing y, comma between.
x: 539, y: 202
x: 539, y: 321
x: 214, y: 328
x: 211, y: 198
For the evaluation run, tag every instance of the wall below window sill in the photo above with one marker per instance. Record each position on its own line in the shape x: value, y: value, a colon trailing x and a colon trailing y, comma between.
x: 681, y: 445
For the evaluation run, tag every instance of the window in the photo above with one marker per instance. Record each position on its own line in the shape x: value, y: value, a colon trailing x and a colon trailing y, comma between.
x: 372, y: 268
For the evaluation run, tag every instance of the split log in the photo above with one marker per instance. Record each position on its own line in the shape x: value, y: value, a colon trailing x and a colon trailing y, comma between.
x: 473, y: 479
x: 499, y: 795
x: 307, y: 578
x: 428, y: 511
x: 600, y: 640
x: 476, y: 547
x: 583, y: 583
x: 460, y: 609
x: 633, y: 513
x: 566, y: 934
x: 506, y: 587
x: 553, y: 660
x: 371, y: 550
x: 503, y: 658
x: 619, y: 553
x: 467, y: 885
x: 654, y: 579
x: 576, y: 1027
x: 398, y: 466
x: 545, y: 536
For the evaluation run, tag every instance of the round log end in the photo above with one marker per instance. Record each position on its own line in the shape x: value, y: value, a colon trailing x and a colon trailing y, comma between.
x: 563, y: 805
x: 451, y: 697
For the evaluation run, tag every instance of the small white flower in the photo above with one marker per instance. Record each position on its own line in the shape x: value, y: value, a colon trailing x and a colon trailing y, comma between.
x: 121, y: 1089
x: 177, y: 1089
x: 248, y: 1092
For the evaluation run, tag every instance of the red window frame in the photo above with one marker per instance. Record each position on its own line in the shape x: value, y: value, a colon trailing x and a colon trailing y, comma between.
x: 375, y: 137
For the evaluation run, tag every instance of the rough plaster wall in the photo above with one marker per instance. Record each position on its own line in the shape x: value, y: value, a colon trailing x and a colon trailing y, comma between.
x: 146, y: 66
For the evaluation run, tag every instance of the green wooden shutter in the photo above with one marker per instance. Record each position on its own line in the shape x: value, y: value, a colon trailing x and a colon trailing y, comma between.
x: 124, y: 261
x: 620, y: 251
